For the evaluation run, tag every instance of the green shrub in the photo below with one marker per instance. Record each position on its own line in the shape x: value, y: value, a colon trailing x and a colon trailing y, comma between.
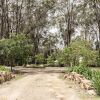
x: 17, y: 49
x: 96, y: 81
x: 86, y: 71
x: 61, y: 58
x: 90, y: 74
x: 79, y: 49
x: 50, y: 60
x: 39, y: 58
x: 98, y: 60
x: 3, y: 68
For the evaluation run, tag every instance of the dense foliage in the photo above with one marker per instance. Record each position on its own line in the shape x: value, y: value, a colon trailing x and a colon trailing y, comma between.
x: 15, y: 50
x: 96, y: 81
x: 46, y: 22
x: 39, y: 59
x: 4, y: 68
x: 83, y: 70
x: 78, y: 50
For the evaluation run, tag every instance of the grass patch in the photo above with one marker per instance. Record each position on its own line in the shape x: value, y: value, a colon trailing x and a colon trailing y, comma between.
x: 4, y: 68
x: 96, y: 81
x: 86, y: 71
x: 90, y: 74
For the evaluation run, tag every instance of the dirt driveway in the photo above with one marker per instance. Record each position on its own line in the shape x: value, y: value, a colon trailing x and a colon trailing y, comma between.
x: 40, y: 86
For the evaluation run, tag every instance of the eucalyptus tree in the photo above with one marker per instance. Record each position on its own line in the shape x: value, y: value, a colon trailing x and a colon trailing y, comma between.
x: 65, y: 19
x: 88, y: 19
x: 50, y: 44
x: 4, y: 18
x: 36, y: 13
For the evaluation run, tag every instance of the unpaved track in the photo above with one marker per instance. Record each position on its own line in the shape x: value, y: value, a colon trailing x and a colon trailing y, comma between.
x: 40, y: 86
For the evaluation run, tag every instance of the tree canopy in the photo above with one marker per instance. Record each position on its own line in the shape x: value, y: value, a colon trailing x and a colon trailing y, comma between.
x: 34, y: 30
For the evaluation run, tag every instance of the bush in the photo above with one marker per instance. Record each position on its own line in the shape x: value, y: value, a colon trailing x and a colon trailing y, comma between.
x: 96, y: 81
x: 51, y: 60
x: 17, y: 49
x: 92, y: 75
x: 98, y: 60
x: 3, y: 68
x: 39, y: 58
x: 79, y: 49
x: 61, y: 59
x: 86, y: 71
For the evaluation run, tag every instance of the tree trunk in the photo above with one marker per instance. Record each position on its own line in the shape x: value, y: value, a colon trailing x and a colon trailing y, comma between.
x: 97, y: 13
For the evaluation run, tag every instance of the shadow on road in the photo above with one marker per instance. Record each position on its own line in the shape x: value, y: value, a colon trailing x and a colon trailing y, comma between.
x: 23, y: 70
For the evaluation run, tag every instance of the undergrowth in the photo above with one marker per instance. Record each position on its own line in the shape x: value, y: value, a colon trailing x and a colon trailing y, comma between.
x: 88, y: 73
x: 3, y: 68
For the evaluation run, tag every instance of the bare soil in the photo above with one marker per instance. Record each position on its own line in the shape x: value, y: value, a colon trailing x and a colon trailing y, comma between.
x: 41, y: 86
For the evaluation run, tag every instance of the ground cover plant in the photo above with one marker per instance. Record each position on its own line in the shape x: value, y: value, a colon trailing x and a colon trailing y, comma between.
x: 90, y: 74
x: 4, y: 68
x: 5, y: 74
